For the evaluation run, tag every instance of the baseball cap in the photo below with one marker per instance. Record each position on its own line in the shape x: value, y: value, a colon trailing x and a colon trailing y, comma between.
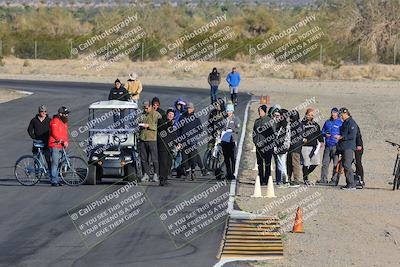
x: 42, y: 108
x: 343, y: 110
x: 63, y: 110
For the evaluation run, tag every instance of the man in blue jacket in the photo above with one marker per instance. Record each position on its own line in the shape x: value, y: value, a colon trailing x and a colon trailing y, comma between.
x: 233, y: 80
x: 347, y: 146
x: 330, y: 129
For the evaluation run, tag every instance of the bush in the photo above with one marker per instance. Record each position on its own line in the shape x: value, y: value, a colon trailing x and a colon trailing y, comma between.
x: 27, y: 63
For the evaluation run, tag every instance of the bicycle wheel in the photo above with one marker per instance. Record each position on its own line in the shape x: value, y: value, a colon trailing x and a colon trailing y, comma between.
x: 74, y: 171
x: 207, y: 159
x: 27, y: 170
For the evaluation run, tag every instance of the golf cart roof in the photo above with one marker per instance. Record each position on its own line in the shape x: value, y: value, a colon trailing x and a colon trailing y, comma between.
x: 113, y: 104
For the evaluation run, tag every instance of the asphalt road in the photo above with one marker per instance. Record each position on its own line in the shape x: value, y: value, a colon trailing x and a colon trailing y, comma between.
x: 35, y: 229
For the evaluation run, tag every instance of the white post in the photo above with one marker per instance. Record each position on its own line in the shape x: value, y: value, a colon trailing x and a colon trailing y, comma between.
x: 394, y: 54
x: 1, y: 48
x: 359, y: 54
x: 142, y: 50
x: 70, y: 50
x: 320, y: 53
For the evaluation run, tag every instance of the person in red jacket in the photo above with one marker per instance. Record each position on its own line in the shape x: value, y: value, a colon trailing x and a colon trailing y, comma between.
x: 57, y: 140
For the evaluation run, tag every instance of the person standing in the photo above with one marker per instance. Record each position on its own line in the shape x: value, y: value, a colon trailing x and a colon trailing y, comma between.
x: 233, y: 80
x: 263, y: 133
x: 191, y: 129
x: 347, y: 146
x: 134, y: 87
x: 282, y: 145
x: 329, y: 130
x: 214, y: 79
x: 311, y: 145
x: 166, y: 143
x: 216, y: 121
x: 155, y: 102
x: 39, y: 131
x: 58, y: 140
x: 118, y: 92
x: 148, y: 141
x: 180, y: 109
x: 358, y: 158
x: 228, y: 141
x: 296, y: 144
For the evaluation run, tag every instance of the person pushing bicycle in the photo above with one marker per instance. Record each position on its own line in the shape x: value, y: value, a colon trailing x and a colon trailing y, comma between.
x: 57, y: 140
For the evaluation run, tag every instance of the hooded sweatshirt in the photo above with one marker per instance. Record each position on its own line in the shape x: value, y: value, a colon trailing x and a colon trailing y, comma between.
x: 179, y: 113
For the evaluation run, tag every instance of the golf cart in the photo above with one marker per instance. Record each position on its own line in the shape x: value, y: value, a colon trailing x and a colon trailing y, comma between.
x: 112, y: 143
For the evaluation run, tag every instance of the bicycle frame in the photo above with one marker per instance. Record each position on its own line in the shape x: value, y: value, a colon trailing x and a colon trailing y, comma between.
x: 40, y: 157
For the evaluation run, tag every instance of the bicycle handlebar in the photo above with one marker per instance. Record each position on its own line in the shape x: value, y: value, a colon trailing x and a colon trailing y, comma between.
x: 392, y: 143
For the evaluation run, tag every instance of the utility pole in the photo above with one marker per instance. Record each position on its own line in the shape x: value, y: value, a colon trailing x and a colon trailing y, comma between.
x: 70, y: 50
x: 142, y: 51
x: 359, y: 54
x: 35, y: 49
x: 394, y: 54
x: 1, y: 48
x: 320, y: 53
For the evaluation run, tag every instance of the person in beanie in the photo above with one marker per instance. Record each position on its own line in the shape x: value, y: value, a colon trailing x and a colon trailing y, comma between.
x: 296, y: 144
x: 311, y: 145
x: 329, y: 130
x: 263, y: 133
x: 166, y: 142
x: 228, y: 141
x: 39, y: 131
x: 214, y: 79
x: 190, y: 129
x: 155, y: 102
x: 148, y: 141
x: 118, y: 92
x: 58, y: 140
x: 180, y: 109
x: 134, y: 87
x: 347, y: 146
x: 233, y: 80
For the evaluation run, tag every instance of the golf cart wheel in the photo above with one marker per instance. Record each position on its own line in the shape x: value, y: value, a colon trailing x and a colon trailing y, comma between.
x: 92, y: 175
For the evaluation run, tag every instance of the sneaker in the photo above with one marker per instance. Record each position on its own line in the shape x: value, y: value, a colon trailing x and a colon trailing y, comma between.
x: 333, y: 183
x: 321, y: 182
x: 145, y: 178
x: 295, y: 184
x: 192, y: 175
x: 55, y: 184
x: 284, y: 185
x: 155, y: 178
x: 204, y: 172
x: 348, y: 187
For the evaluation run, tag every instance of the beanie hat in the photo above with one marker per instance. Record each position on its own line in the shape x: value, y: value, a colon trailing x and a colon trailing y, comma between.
x: 264, y: 108
x: 335, y: 109
x: 117, y: 81
x: 230, y: 108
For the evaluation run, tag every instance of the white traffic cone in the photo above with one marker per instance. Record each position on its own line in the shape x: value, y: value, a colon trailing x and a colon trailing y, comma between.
x: 270, y: 188
x: 257, y: 188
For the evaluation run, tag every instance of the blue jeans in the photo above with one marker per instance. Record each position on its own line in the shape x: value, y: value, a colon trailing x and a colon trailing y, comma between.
x: 55, y: 160
x: 281, y: 170
x: 214, y: 93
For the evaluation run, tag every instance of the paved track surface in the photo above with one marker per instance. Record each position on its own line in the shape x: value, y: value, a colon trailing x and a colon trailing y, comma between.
x: 35, y: 229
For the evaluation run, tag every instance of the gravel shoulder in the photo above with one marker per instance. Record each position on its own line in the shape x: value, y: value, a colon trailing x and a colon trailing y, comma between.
x: 9, y: 94
x: 359, y: 228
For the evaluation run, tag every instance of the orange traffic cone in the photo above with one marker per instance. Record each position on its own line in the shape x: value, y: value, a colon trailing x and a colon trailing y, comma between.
x: 298, y: 222
x: 267, y: 100
x: 262, y: 101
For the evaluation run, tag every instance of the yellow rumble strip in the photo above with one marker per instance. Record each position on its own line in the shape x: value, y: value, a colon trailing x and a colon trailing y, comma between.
x: 255, y: 239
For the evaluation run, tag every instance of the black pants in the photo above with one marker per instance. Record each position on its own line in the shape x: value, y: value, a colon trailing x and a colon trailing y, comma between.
x: 359, y: 166
x: 228, y: 149
x: 234, y: 98
x: 264, y: 159
x: 347, y: 160
x: 191, y: 159
x: 148, y: 154
x: 165, y: 163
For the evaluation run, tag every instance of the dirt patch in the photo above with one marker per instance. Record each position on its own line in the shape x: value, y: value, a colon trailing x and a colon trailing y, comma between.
x: 9, y: 94
x: 358, y: 228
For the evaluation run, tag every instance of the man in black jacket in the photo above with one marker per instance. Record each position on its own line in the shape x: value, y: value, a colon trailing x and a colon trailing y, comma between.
x: 190, y: 129
x: 263, y: 139
x: 347, y: 146
x: 166, y: 142
x: 39, y: 131
x: 118, y: 92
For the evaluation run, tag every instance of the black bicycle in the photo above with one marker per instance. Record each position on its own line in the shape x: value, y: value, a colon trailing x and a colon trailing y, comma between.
x: 396, y: 169
x: 28, y: 169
